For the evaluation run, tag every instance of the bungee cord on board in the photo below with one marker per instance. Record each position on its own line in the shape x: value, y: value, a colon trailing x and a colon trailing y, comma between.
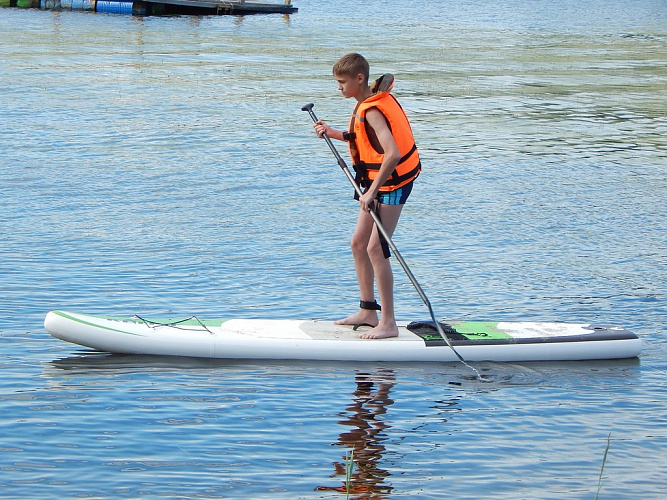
x: 179, y: 324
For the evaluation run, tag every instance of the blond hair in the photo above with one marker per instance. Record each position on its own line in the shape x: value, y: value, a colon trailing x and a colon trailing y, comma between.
x: 352, y: 65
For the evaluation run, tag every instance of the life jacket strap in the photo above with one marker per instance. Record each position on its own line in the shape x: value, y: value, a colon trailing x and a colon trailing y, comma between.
x: 361, y: 175
x: 362, y: 178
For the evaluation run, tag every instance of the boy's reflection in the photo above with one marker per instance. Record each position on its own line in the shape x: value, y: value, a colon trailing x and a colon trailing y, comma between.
x: 366, y: 435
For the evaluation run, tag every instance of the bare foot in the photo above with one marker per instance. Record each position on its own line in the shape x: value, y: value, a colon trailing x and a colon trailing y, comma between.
x: 381, y: 332
x: 363, y: 317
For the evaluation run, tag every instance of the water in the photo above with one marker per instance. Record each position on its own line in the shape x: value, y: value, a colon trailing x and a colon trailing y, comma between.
x: 163, y: 165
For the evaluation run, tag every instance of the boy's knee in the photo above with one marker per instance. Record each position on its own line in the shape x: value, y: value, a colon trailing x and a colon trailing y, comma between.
x: 358, y: 244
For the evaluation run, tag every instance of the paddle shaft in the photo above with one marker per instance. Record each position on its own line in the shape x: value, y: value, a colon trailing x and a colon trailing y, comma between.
x: 383, y: 232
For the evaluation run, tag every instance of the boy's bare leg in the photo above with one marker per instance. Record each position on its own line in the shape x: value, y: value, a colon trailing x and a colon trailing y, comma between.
x: 386, y: 328
x: 364, y: 268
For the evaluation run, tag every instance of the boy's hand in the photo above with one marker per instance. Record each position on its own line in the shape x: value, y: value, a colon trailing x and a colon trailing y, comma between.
x: 321, y: 128
x: 367, y: 200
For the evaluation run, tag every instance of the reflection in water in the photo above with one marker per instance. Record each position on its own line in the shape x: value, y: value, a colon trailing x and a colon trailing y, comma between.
x: 365, y: 434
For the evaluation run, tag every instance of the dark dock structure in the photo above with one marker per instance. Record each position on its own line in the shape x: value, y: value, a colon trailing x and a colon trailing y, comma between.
x: 160, y: 7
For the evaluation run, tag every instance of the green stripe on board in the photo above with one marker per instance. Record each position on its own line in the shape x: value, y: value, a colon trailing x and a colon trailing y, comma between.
x: 96, y: 325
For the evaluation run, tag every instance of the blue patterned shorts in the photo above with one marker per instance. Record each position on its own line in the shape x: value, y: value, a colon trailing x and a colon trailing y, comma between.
x: 397, y: 197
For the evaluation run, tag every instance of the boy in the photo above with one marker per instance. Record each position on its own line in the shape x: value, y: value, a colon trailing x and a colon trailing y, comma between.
x: 386, y: 161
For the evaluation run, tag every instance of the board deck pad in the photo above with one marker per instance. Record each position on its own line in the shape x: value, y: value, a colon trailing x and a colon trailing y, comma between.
x: 472, y: 330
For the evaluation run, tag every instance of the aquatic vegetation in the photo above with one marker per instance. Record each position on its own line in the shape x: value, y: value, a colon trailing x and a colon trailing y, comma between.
x: 349, y: 469
x: 604, y: 461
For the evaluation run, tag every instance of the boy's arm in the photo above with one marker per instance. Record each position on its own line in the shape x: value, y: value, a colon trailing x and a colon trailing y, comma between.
x: 322, y: 127
x: 391, y: 155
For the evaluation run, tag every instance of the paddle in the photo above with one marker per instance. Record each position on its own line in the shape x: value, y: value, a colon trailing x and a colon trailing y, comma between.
x: 383, y: 232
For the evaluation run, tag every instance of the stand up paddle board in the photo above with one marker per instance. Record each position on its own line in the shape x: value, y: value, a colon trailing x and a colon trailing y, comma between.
x: 323, y: 340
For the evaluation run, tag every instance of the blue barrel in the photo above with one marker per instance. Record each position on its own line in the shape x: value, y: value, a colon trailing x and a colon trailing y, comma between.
x: 111, y: 7
x: 88, y: 5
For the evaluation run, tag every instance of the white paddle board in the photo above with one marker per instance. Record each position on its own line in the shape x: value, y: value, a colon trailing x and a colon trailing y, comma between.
x: 322, y: 340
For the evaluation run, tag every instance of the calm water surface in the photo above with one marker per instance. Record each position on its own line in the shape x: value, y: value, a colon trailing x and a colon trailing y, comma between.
x: 163, y: 165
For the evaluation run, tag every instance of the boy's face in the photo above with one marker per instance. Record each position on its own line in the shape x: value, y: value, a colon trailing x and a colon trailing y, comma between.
x: 350, y: 86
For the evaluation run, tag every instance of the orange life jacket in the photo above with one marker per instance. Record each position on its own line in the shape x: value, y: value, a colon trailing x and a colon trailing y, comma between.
x: 366, y: 159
